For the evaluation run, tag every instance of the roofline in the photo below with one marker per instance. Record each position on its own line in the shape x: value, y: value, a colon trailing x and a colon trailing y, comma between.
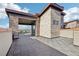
x: 19, y: 13
x: 53, y: 5
x: 71, y: 21
x: 63, y: 13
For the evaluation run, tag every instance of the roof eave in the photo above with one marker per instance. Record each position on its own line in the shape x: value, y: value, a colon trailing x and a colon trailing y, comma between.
x: 52, y: 5
x: 19, y: 13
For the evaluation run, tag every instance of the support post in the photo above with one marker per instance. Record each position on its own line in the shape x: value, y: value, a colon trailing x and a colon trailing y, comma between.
x: 32, y: 30
x: 13, y: 24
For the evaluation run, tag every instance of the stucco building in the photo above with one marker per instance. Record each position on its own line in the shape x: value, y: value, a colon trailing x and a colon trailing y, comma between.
x: 47, y: 23
x: 72, y: 24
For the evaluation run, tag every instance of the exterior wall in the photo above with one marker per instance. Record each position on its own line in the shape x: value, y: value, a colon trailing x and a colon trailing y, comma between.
x: 45, y: 24
x: 47, y: 27
x: 56, y: 15
x: 67, y: 33
x: 37, y: 27
x: 76, y: 38
x: 13, y: 24
x: 5, y: 42
x: 71, y: 25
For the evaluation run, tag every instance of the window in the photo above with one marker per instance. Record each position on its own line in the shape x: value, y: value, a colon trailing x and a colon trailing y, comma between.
x: 55, y: 22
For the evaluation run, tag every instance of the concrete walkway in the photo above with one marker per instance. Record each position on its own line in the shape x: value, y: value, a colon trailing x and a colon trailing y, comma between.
x: 65, y: 45
x: 25, y: 46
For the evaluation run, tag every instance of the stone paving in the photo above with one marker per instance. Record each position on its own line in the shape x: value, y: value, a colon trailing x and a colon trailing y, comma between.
x: 26, y: 46
x: 62, y: 44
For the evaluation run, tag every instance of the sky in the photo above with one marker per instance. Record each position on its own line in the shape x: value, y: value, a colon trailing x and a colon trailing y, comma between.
x: 71, y: 10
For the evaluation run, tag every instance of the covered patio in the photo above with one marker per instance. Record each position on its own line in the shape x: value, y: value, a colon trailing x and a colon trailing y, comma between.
x: 28, y: 22
x: 20, y: 18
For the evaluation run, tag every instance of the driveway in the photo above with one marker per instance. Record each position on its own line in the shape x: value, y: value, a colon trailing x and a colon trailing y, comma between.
x: 26, y: 46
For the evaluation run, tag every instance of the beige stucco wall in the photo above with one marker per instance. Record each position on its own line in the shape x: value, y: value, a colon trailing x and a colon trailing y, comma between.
x: 67, y: 33
x: 45, y: 24
x: 70, y: 33
x: 5, y: 42
x: 37, y: 27
x: 71, y: 25
x: 76, y: 38
x: 47, y: 28
x: 56, y: 15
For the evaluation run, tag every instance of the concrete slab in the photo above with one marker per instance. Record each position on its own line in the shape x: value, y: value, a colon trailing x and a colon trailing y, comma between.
x: 26, y: 46
x: 62, y: 44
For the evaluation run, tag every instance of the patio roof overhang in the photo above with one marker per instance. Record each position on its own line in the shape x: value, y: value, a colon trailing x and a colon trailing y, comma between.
x: 19, y: 13
x: 26, y: 21
x: 24, y: 18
